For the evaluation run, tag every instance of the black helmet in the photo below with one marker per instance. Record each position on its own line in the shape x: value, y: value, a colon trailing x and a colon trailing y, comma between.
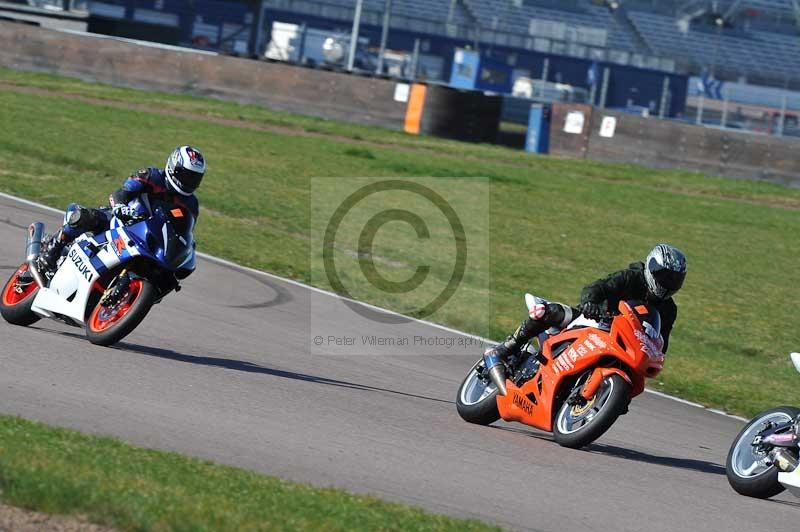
x: 185, y: 169
x: 664, y: 270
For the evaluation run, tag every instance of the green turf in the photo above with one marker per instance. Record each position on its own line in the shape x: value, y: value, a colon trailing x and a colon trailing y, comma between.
x: 109, y: 482
x: 556, y: 224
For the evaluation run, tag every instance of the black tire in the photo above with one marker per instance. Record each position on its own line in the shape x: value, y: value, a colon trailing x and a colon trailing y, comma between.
x: 18, y: 312
x: 483, y: 412
x: 613, y: 407
x: 138, y: 309
x: 764, y: 484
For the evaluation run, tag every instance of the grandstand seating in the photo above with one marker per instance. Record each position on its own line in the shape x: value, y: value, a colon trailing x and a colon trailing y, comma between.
x: 727, y: 52
x: 515, y: 17
x: 642, y: 32
x: 434, y: 10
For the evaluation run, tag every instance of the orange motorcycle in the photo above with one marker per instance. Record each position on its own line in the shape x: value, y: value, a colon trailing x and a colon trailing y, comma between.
x: 574, y: 383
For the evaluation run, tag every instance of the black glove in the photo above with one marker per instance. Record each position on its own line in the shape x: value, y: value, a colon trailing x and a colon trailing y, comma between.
x: 504, y: 350
x: 125, y: 213
x: 594, y: 311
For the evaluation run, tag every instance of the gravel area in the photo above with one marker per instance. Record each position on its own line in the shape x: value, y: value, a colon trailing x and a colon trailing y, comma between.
x: 19, y: 520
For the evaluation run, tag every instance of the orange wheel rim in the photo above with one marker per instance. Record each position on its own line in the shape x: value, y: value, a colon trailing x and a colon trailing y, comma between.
x: 14, y: 293
x: 103, y: 318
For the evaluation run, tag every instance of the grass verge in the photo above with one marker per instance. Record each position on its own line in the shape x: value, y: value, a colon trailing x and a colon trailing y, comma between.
x: 115, y: 484
x: 555, y: 224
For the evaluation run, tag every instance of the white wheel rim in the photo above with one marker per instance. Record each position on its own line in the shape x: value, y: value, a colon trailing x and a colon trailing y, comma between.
x: 744, y: 460
x: 474, y: 389
x: 569, y: 424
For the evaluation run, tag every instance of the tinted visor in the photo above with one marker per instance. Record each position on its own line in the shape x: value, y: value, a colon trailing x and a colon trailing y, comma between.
x: 670, y: 280
x: 187, y: 179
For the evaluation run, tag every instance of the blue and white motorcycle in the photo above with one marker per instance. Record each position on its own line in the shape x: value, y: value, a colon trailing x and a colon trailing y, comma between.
x: 105, y: 282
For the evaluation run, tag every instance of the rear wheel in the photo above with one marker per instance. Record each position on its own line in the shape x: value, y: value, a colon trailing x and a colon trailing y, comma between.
x: 578, y: 425
x: 746, y: 467
x: 476, y: 400
x: 17, y: 298
x: 108, y: 323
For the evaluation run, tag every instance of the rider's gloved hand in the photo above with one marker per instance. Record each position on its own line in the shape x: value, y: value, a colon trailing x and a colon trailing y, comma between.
x: 506, y: 349
x: 594, y: 311
x: 125, y: 213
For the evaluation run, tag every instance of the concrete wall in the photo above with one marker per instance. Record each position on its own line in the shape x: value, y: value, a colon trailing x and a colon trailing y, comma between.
x: 569, y: 144
x: 278, y: 86
x: 665, y: 144
x: 443, y: 111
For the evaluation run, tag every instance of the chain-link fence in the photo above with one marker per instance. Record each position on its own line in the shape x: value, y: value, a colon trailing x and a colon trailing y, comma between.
x: 739, y: 106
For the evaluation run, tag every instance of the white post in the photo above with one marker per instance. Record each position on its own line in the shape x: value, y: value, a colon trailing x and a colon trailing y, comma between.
x: 782, y: 119
x: 387, y: 13
x: 724, y: 111
x: 604, y: 87
x: 662, y: 111
x: 415, y: 59
x: 354, y: 36
x: 700, y: 104
x: 258, y: 38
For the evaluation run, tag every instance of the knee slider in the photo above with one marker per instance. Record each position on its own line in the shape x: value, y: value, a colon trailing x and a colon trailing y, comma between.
x: 81, y: 219
x: 70, y: 213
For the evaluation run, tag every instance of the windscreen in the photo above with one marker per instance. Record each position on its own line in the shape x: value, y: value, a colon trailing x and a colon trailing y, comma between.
x: 177, y: 232
x: 649, y: 316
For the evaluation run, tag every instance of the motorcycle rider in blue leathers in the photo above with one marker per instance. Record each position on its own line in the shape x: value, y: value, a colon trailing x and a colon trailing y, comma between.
x: 175, y: 184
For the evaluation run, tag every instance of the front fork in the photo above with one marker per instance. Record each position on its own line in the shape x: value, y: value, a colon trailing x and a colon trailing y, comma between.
x: 164, y: 284
x: 116, y: 290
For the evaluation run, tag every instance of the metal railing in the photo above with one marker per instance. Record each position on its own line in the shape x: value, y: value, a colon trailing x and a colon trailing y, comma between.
x: 64, y: 5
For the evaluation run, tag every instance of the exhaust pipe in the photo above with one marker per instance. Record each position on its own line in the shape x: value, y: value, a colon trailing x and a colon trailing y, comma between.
x: 497, y: 372
x: 33, y: 248
x: 784, y: 459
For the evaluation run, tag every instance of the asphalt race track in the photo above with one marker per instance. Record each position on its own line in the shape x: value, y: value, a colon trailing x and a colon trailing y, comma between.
x: 225, y: 370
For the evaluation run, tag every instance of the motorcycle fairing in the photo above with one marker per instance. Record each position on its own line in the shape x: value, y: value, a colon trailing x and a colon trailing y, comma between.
x: 532, y: 403
x: 89, y: 258
x: 791, y: 481
x: 796, y: 360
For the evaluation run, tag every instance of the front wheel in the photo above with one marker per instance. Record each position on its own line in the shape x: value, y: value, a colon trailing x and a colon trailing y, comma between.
x: 109, y: 323
x: 476, y: 400
x: 578, y: 425
x: 747, y: 467
x: 17, y: 298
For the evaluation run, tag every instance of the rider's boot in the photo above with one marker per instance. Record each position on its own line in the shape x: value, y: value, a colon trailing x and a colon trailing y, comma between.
x: 502, y: 356
x: 512, y: 345
x: 53, y: 249
x: 542, y: 316
x: 77, y: 220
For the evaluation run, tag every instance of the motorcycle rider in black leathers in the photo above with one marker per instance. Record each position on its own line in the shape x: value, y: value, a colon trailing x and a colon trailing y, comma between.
x: 654, y: 281
x: 175, y: 183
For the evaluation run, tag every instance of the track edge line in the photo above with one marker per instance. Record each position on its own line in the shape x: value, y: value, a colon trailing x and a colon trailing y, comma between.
x: 232, y: 264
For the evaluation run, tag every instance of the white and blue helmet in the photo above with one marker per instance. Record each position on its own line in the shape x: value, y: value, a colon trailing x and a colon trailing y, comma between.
x: 664, y: 271
x: 185, y: 169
